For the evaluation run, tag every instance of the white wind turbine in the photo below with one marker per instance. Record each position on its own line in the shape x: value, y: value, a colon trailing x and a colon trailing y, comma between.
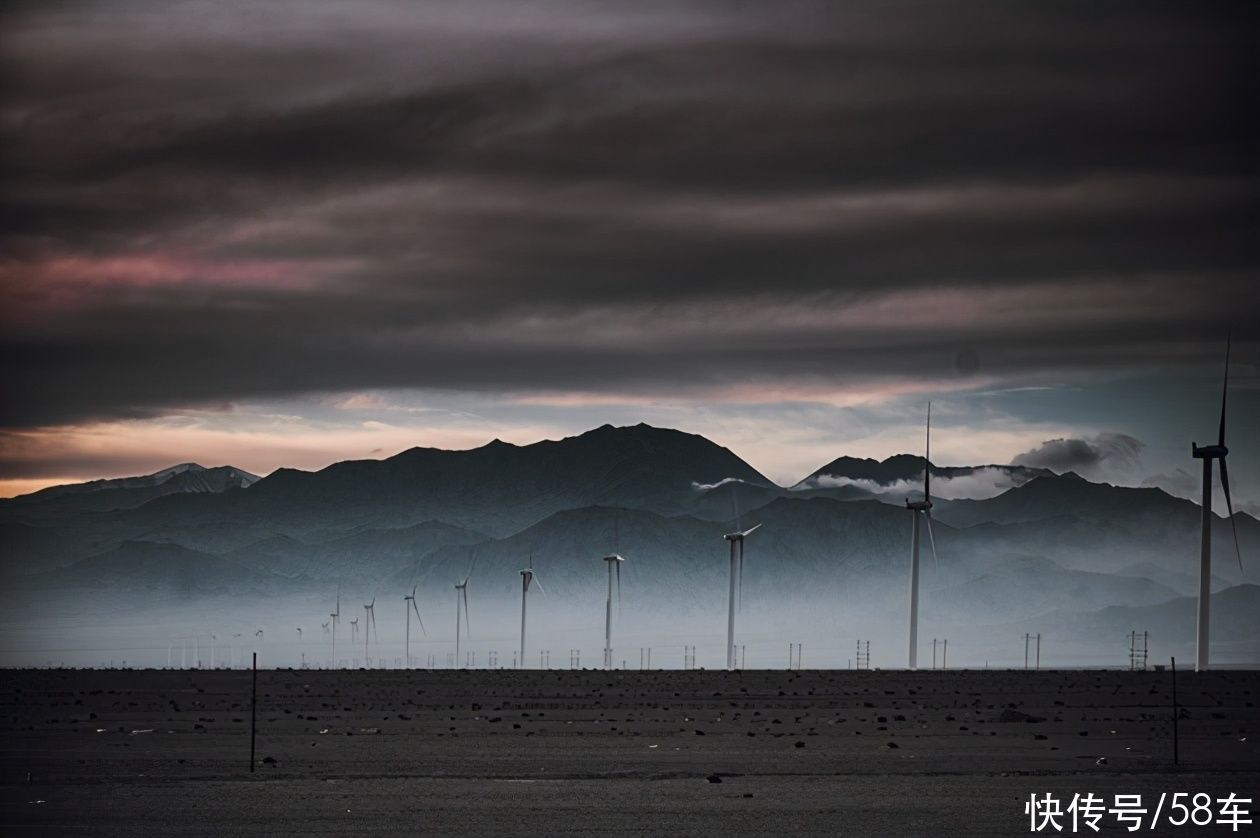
x: 917, y: 508
x: 354, y: 629
x: 369, y: 626
x: 461, y: 608
x: 527, y: 576
x: 614, y: 561
x: 736, y: 583
x: 409, y: 605
x: 1207, y: 454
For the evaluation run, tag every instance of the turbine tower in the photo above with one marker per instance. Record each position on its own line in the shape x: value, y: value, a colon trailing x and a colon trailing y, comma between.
x: 1207, y: 454
x: 613, y: 560
x: 354, y: 629
x: 917, y: 508
x: 461, y: 601
x: 409, y: 605
x: 334, y: 618
x: 527, y: 576
x: 737, y: 583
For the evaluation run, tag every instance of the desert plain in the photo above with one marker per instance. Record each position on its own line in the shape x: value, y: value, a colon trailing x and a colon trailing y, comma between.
x: 555, y: 752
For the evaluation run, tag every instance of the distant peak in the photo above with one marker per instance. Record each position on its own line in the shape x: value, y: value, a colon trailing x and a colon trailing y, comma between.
x: 498, y: 443
x: 177, y: 469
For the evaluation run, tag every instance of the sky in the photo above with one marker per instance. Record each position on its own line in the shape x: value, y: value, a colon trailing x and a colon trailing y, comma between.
x: 287, y: 234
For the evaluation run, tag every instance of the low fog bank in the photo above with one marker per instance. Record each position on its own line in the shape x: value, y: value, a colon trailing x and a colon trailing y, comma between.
x: 567, y: 629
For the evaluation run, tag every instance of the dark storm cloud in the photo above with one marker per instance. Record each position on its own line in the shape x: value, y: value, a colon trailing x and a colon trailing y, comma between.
x: 201, y: 205
x: 1087, y: 457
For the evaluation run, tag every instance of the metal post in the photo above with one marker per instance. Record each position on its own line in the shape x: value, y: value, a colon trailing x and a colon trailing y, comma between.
x: 736, y: 544
x: 1038, y: 651
x: 1176, y: 714
x: 253, y: 714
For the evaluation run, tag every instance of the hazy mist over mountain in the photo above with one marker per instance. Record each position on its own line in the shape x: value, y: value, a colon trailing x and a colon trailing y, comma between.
x: 141, y: 568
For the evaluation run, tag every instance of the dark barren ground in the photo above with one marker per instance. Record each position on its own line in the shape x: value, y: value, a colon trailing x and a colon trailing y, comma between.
x: 483, y: 752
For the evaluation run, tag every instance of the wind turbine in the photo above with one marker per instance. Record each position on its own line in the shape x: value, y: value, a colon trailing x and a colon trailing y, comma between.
x: 409, y: 605
x: 354, y: 629
x: 527, y: 575
x: 369, y: 625
x: 925, y: 508
x: 461, y: 608
x: 1207, y: 454
x: 737, y: 582
x: 613, y: 560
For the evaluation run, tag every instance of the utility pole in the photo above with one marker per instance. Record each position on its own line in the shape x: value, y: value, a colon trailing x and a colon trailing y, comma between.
x: 1176, y: 713
x: 253, y: 714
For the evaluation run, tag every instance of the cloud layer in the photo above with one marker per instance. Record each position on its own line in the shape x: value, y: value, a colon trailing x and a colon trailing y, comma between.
x: 204, y: 203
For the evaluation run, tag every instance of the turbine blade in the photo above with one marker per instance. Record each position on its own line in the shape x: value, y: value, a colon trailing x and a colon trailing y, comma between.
x: 1224, y: 395
x: 749, y: 532
x: 467, y: 622
x: 735, y: 505
x: 927, y: 457
x: 932, y: 539
x: 418, y: 617
x: 538, y: 581
x: 739, y: 573
x: 1229, y: 505
x: 618, y: 564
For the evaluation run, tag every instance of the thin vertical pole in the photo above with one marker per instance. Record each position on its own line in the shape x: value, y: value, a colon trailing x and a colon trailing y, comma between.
x: 253, y: 714
x: 736, y: 544
x: 1038, y: 651
x: 1176, y: 714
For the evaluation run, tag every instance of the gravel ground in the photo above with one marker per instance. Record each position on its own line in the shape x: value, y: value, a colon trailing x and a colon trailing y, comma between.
x: 582, y: 752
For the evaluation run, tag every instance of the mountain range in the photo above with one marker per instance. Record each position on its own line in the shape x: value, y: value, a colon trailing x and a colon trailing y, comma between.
x: 1048, y: 547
